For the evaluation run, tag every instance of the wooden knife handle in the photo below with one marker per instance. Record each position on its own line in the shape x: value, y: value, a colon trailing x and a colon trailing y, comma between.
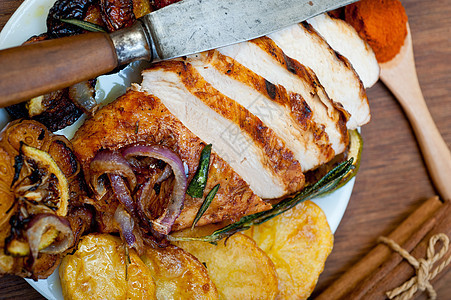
x: 35, y: 69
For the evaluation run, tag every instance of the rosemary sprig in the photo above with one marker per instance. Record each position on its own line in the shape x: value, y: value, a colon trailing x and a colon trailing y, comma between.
x: 325, y: 184
x: 199, y: 182
x: 84, y: 25
x: 205, y: 204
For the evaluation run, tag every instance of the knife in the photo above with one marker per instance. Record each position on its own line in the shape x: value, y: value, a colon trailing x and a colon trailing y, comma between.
x: 180, y: 29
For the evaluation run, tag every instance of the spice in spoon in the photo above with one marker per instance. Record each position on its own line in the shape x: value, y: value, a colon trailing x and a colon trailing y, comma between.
x: 382, y: 23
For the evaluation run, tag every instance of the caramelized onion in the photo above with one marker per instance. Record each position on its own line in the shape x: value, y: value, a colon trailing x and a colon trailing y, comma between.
x: 126, y: 224
x: 39, y: 224
x: 83, y: 94
x: 122, y: 193
x: 108, y: 162
x: 163, y: 224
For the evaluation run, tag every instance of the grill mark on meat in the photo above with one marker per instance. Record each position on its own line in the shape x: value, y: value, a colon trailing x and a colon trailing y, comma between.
x: 302, y: 43
x: 299, y: 124
x: 298, y: 80
x: 113, y: 127
x: 279, y: 159
x: 270, y: 89
x: 359, y: 54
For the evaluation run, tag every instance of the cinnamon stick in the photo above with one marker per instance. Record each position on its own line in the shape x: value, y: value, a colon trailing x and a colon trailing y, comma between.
x: 404, y: 271
x: 384, y: 272
x: 376, y: 257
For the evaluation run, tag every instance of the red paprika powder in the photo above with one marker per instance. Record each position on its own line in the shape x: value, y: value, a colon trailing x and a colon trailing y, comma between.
x: 382, y: 23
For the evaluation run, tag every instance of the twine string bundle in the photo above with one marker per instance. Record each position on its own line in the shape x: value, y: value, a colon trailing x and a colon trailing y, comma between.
x: 423, y: 267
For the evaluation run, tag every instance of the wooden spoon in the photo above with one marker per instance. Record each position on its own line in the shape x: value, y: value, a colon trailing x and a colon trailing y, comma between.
x: 400, y: 76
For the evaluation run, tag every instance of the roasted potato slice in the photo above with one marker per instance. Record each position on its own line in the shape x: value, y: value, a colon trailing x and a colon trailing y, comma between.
x: 97, y: 270
x: 298, y: 242
x: 238, y: 268
x: 178, y: 274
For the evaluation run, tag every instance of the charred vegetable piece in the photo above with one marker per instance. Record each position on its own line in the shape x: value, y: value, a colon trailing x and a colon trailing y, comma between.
x: 41, y: 180
x: 163, y: 223
x: 66, y: 9
x: 117, y: 14
x: 199, y: 182
x: 141, y: 8
x: 55, y: 110
x: 93, y: 15
x: 21, y: 248
x: 42, y: 223
x: 7, y: 202
x: 109, y: 163
x: 32, y: 133
x: 38, y: 175
x: 162, y: 3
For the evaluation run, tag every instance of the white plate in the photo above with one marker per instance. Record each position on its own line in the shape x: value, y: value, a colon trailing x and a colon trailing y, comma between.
x: 29, y: 20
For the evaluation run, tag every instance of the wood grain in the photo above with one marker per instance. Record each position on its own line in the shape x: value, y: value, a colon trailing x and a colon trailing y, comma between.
x: 392, y: 180
x: 90, y: 55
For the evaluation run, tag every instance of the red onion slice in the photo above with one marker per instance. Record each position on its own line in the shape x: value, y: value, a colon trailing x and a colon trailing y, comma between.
x: 126, y: 224
x: 122, y: 193
x: 108, y: 162
x: 39, y: 224
x: 165, y: 175
x: 164, y: 223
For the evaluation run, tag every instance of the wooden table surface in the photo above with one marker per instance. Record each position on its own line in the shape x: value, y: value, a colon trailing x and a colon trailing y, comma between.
x: 393, y: 179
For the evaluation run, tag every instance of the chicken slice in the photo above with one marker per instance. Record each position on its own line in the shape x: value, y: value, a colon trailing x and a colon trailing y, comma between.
x: 302, y: 43
x: 140, y: 118
x: 264, y: 58
x: 344, y: 39
x: 251, y: 148
x: 306, y: 139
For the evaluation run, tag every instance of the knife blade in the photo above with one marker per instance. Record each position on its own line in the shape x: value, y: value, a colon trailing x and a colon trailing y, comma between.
x: 180, y: 29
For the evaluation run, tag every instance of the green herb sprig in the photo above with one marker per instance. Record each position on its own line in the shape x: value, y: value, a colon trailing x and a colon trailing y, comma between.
x: 199, y: 182
x: 325, y: 184
x: 84, y: 25
x: 205, y: 204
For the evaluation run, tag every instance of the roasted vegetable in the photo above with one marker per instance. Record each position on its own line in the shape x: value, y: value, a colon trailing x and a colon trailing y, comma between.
x: 40, y: 209
x: 66, y: 9
x: 55, y: 110
x: 298, y: 243
x: 237, y: 266
x: 97, y: 270
x: 117, y: 14
x: 40, y: 180
x: 178, y: 274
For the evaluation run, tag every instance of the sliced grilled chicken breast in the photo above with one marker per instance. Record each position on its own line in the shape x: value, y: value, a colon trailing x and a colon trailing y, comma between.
x: 140, y: 118
x: 265, y: 59
x: 344, y: 39
x: 251, y: 148
x: 271, y: 104
x: 302, y: 43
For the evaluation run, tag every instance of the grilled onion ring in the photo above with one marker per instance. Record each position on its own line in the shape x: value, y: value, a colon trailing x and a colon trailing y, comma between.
x: 163, y: 224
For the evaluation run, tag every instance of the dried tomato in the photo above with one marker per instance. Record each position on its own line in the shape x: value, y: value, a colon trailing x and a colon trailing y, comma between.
x: 162, y: 3
x: 66, y: 9
x: 117, y: 14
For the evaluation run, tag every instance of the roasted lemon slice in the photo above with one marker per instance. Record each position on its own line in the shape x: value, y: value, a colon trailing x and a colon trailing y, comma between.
x: 97, y: 270
x: 52, y: 189
x: 298, y: 242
